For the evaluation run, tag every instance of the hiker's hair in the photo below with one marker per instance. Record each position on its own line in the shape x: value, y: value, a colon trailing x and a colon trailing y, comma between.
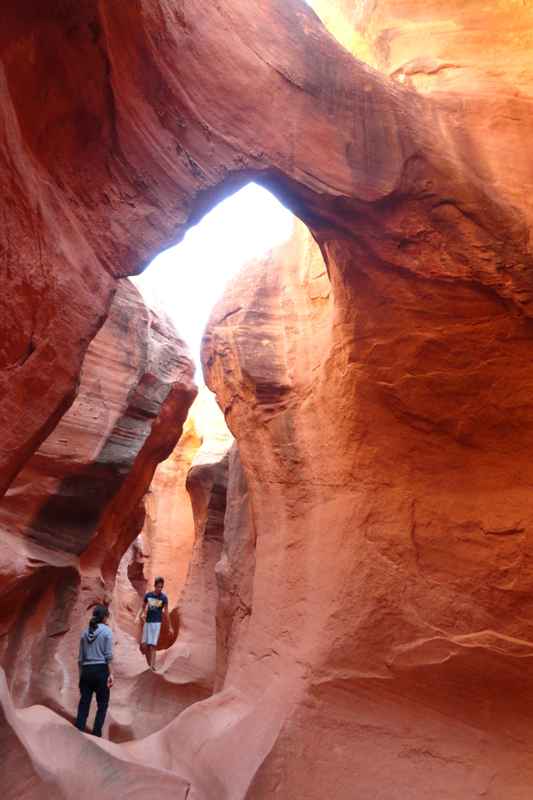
x: 100, y: 613
x: 159, y: 579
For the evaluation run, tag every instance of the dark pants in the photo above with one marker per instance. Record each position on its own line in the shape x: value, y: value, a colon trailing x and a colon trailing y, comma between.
x: 93, y: 678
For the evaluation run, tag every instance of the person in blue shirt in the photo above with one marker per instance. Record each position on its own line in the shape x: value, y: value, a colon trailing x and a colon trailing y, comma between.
x: 95, y: 657
x: 155, y: 604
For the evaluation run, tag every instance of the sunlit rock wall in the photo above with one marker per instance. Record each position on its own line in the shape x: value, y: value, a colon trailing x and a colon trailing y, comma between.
x: 192, y: 658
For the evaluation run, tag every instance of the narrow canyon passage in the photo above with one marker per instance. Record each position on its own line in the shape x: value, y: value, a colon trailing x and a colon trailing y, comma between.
x: 75, y: 494
x: 183, y: 531
x: 355, y: 582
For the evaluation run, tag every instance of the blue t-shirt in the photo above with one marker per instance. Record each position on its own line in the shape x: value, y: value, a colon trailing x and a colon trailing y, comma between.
x: 156, y: 603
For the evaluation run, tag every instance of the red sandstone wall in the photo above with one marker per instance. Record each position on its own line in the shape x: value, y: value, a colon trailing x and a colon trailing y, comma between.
x: 384, y: 425
x: 192, y: 658
x: 135, y: 389
x: 195, y: 495
x: 165, y: 543
x: 236, y: 568
x: 96, y: 154
x: 169, y: 525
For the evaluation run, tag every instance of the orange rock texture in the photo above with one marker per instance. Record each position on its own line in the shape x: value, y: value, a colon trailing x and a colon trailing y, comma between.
x: 183, y: 542
x: 135, y: 389
x: 165, y: 543
x: 374, y: 584
x: 191, y: 661
x: 169, y: 524
x: 381, y: 567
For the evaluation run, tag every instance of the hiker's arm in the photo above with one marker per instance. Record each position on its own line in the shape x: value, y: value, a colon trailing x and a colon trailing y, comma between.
x: 108, y: 655
x: 141, y: 614
x: 170, y: 626
x: 80, y: 655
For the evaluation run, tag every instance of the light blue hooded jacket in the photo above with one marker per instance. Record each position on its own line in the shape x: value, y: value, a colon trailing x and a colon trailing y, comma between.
x: 96, y: 647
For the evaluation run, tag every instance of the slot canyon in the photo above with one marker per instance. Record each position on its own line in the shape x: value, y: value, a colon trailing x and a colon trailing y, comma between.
x: 341, y: 513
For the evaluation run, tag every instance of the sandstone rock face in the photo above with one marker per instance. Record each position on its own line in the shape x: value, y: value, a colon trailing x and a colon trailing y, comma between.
x: 439, y: 45
x: 236, y: 568
x: 193, y: 657
x: 60, y: 498
x: 474, y: 60
x: 56, y: 538
x: 169, y: 524
x: 165, y: 543
x: 121, y: 159
x: 183, y: 542
x: 381, y: 404
x: 355, y: 441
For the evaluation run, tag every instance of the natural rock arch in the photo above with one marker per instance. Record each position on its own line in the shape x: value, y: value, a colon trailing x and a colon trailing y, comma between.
x: 133, y: 118
x: 411, y: 532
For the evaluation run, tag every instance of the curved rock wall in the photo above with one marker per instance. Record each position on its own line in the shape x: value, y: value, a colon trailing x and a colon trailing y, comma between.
x: 165, y: 543
x: 192, y: 658
x: 236, y: 568
x: 474, y: 60
x: 391, y: 569
x: 381, y: 403
x: 135, y: 390
x: 183, y: 543
x: 120, y: 155
x: 169, y: 524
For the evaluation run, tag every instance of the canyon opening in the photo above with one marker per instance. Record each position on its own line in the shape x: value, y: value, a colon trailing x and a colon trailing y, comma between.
x: 341, y: 514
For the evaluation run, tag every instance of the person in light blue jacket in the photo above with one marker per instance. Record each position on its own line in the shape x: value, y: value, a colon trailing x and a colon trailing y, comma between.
x: 95, y: 657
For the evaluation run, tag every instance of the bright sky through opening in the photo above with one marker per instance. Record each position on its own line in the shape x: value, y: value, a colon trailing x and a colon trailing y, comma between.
x: 187, y: 280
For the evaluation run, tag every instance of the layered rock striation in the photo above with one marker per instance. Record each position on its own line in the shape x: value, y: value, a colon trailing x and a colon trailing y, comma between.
x: 121, y: 158
x: 183, y: 542
x: 381, y: 572
x: 376, y: 377
x: 82, y: 492
x: 165, y: 543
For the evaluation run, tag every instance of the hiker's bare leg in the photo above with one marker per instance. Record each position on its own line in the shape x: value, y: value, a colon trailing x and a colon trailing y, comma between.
x: 148, y: 654
x: 153, y: 658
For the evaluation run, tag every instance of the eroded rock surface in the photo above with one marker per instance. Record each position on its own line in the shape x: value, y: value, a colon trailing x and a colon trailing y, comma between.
x: 183, y: 543
x: 192, y: 658
x: 383, y: 415
x: 55, y: 531
x: 121, y: 158
x: 236, y: 568
x: 165, y: 543
x: 382, y: 571
x: 169, y: 522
